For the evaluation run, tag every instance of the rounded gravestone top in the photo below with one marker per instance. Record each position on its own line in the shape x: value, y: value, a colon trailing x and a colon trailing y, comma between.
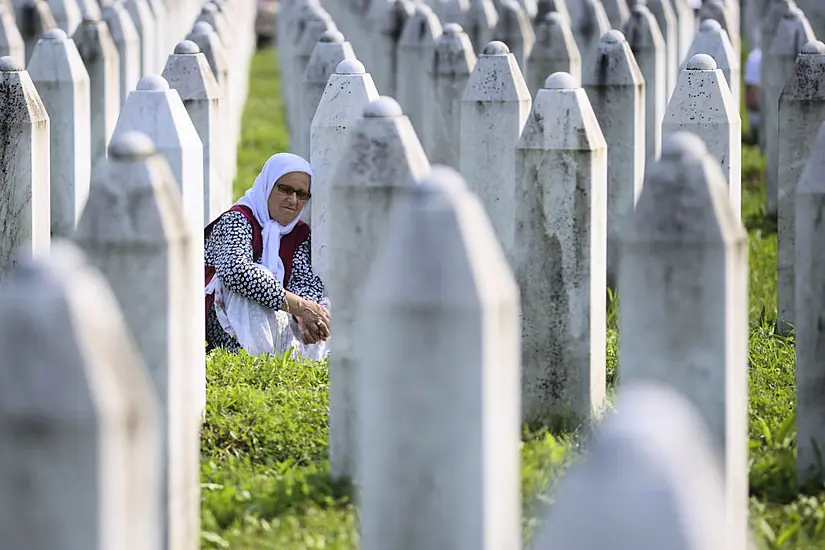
x: 152, y: 83
x: 131, y: 145
x: 55, y: 34
x: 187, y: 47
x: 8, y: 64
x: 560, y: 81
x: 442, y: 178
x: 710, y: 25
x: 209, y: 8
x: 332, y: 36
x: 496, y: 47
x: 681, y: 144
x: 202, y: 27
x: 613, y: 36
x: 814, y: 47
x: 383, y: 107
x: 452, y: 29
x: 701, y: 62
x: 350, y: 66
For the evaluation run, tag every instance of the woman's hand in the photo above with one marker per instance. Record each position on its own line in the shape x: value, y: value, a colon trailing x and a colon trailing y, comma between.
x: 313, y: 320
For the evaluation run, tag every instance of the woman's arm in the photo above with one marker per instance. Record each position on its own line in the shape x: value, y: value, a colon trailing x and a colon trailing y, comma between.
x: 303, y: 281
x: 229, y: 249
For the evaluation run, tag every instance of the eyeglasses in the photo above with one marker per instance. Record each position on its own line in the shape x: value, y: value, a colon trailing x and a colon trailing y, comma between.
x: 287, y: 190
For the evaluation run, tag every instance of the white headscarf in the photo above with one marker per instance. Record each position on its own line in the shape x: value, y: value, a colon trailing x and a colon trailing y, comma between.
x: 257, y: 200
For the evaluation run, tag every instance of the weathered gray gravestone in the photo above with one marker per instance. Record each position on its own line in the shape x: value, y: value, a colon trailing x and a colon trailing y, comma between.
x: 801, y: 113
x: 662, y: 10
x: 702, y: 104
x: 617, y: 12
x: 589, y: 22
x: 712, y: 39
x: 63, y: 85
x: 144, y: 23
x: 38, y: 19
x: 778, y: 62
x: 385, y: 21
x: 648, y: 47
x: 560, y: 255
x: 685, y: 250
x: 330, y: 50
x: 416, y: 49
x: 494, y: 109
x: 810, y: 304
x: 555, y: 51
x: 815, y: 12
x: 452, y: 63
x: 11, y: 42
x: 134, y: 230
x: 188, y: 73
x: 616, y: 89
x: 99, y: 55
x: 158, y: 111
x: 78, y: 414
x: 347, y: 92
x: 382, y: 160
x: 66, y: 14
x: 127, y: 41
x: 438, y: 286
x: 515, y: 30
x: 25, y: 216
x: 651, y: 481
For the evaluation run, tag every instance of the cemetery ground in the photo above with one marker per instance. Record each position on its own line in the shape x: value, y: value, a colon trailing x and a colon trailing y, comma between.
x: 264, y: 443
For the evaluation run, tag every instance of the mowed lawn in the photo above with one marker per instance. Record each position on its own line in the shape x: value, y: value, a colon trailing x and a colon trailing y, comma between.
x: 264, y: 470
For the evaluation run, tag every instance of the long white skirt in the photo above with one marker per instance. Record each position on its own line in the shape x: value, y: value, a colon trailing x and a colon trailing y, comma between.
x: 260, y: 329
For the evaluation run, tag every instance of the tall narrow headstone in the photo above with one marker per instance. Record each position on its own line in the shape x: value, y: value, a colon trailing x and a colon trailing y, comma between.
x: 650, y: 480
x: 560, y: 255
x: 616, y: 90
x: 685, y: 250
x: 648, y: 47
x: 792, y: 33
x: 588, y: 22
x: 330, y: 50
x: 66, y: 14
x: 33, y: 19
x: 723, y: 12
x: 815, y: 13
x: 451, y: 66
x: 144, y: 23
x: 99, y: 55
x: 134, y: 231
x: 555, y: 51
x: 189, y: 74
x: 385, y: 22
x: 63, y: 85
x: 416, y: 50
x: 440, y: 283
x: 11, y: 42
x: 617, y: 12
x: 810, y: 304
x: 127, y: 42
x: 78, y: 414
x: 382, y: 160
x: 801, y: 113
x: 515, y: 30
x: 702, y: 105
x: 349, y: 90
x: 25, y: 216
x: 494, y: 109
x: 662, y: 10
x: 713, y: 40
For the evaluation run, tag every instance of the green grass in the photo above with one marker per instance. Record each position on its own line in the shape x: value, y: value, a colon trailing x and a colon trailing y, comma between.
x: 264, y: 470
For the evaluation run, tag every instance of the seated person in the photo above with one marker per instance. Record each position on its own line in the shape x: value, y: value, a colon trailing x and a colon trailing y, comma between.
x: 261, y: 293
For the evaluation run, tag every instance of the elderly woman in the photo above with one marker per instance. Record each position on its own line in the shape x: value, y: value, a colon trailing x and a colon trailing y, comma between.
x: 261, y: 293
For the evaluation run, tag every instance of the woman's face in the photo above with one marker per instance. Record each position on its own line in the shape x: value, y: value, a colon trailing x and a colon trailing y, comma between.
x: 288, y: 197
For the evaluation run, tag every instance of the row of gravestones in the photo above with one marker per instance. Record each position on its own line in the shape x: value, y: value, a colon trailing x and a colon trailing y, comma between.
x: 108, y: 462
x: 430, y: 65
x: 542, y: 169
